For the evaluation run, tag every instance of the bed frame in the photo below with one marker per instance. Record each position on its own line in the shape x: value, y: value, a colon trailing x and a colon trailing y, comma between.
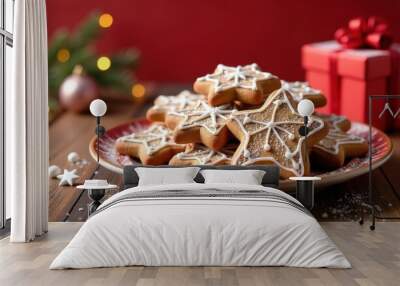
x: 271, y: 177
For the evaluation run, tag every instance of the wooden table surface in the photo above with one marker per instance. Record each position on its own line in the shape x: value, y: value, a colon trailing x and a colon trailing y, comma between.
x: 72, y: 132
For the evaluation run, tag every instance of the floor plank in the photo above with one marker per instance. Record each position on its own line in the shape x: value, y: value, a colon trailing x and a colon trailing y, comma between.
x: 375, y: 258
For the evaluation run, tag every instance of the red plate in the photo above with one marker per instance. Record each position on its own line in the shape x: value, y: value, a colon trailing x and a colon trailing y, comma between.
x: 381, y: 151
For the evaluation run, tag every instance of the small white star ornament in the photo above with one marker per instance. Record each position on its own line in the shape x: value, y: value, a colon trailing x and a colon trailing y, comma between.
x: 67, y: 178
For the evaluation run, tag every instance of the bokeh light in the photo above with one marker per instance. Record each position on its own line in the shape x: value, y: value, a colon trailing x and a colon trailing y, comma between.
x: 103, y: 63
x: 138, y: 90
x: 105, y: 20
x: 63, y: 55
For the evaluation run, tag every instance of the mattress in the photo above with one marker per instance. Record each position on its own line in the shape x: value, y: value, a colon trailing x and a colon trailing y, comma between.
x: 201, y: 225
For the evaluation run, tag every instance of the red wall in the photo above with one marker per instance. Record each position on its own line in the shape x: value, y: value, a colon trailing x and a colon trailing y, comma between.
x: 180, y: 40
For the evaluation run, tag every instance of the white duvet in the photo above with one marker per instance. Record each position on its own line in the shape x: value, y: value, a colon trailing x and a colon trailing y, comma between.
x: 188, y: 231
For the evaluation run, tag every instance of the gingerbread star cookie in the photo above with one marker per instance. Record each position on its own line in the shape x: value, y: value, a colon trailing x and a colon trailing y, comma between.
x: 338, y: 121
x: 270, y: 135
x: 167, y: 103
x: 201, y: 123
x: 196, y: 154
x: 301, y: 90
x: 338, y: 145
x: 153, y: 145
x: 247, y: 84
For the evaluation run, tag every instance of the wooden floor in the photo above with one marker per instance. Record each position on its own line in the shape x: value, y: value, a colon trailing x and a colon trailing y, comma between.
x: 375, y: 257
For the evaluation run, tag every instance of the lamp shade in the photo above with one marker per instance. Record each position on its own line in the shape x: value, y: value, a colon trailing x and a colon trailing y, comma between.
x: 98, y: 107
x: 305, y: 107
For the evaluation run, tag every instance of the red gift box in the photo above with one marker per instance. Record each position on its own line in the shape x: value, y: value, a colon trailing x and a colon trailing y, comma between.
x: 347, y: 77
x: 319, y: 60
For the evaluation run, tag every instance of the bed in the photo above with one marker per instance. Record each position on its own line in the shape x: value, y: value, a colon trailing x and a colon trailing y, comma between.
x: 201, y: 224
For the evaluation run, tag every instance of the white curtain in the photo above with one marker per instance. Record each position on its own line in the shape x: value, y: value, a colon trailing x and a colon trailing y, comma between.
x: 27, y: 124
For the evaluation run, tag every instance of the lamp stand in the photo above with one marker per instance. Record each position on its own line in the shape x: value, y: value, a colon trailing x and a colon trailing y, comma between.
x: 305, y: 185
x: 96, y: 195
x: 100, y: 130
x: 303, y: 130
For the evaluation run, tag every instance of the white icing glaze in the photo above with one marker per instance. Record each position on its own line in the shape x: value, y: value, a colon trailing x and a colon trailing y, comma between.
x: 299, y: 89
x: 225, y: 77
x: 337, y: 136
x: 197, y: 114
x: 176, y: 102
x: 206, y: 156
x: 154, y: 138
x: 294, y: 160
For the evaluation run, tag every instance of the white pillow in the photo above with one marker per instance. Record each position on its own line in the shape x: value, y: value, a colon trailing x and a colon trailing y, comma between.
x: 164, y: 176
x: 247, y: 177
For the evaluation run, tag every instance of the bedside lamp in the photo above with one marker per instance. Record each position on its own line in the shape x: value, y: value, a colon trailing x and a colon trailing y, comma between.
x: 96, y: 188
x: 98, y: 108
x: 305, y: 185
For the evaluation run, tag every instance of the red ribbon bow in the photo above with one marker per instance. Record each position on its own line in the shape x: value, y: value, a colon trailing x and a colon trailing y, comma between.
x: 371, y: 32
